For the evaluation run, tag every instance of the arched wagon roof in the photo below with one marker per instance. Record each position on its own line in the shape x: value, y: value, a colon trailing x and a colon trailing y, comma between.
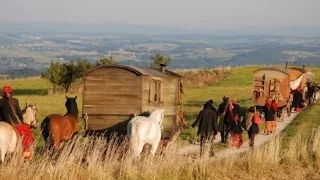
x: 273, y: 69
x: 299, y: 69
x: 142, y: 71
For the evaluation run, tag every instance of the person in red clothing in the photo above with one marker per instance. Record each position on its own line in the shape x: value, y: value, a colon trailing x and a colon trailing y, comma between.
x: 235, y: 129
x: 11, y: 113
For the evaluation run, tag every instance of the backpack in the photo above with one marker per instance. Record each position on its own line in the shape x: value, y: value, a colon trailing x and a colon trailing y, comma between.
x: 256, y: 119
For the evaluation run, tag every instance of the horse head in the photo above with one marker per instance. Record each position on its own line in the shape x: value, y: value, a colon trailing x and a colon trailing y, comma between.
x: 30, y: 115
x: 158, y: 116
x: 72, y: 107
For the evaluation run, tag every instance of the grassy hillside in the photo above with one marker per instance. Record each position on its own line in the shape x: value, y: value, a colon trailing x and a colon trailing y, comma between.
x: 235, y: 83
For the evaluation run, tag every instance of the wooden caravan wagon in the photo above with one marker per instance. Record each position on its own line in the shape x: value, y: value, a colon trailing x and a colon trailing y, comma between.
x: 113, y: 93
x: 271, y: 83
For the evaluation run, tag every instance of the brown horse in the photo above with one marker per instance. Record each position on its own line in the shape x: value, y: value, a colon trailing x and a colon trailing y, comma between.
x: 57, y: 128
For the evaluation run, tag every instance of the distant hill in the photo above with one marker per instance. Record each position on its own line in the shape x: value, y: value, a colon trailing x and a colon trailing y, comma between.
x: 103, y: 28
x: 94, y: 28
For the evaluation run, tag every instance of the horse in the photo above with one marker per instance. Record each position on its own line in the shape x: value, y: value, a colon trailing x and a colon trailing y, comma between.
x: 145, y: 130
x: 9, y: 136
x: 57, y: 128
x: 30, y: 115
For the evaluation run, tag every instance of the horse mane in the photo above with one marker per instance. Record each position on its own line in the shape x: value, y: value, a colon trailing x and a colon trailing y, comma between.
x: 155, y: 112
x: 72, y: 107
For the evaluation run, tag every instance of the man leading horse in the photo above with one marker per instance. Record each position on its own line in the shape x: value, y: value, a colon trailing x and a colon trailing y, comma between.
x: 11, y: 113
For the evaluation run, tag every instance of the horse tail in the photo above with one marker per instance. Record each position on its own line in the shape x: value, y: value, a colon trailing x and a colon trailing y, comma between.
x: 45, y: 130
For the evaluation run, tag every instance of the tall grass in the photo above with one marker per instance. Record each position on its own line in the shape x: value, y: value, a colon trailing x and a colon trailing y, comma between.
x: 88, y: 158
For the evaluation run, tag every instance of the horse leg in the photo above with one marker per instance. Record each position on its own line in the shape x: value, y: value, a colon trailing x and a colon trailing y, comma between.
x: 57, y: 144
x: 154, y: 147
x: 137, y: 150
x: 55, y: 141
x: 2, y: 155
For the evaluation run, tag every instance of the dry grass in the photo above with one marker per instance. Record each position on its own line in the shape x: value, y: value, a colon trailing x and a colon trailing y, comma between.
x: 88, y: 158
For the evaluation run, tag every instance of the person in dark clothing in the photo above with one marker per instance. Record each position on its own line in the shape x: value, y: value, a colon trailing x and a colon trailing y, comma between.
x: 310, y: 92
x: 223, y: 119
x: 269, y: 115
x: 10, y: 111
x: 298, y: 101
x: 207, y: 123
x: 252, y: 124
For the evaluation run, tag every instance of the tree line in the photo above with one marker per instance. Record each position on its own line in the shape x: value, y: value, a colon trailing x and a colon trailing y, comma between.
x: 64, y: 74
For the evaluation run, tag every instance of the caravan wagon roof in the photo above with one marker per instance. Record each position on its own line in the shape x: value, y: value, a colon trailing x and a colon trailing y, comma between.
x: 146, y: 71
x: 273, y: 69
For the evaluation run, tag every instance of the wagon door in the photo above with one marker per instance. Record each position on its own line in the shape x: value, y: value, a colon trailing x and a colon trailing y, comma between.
x: 156, y: 92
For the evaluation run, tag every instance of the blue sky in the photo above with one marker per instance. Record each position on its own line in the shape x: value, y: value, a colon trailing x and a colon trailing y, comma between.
x: 194, y: 14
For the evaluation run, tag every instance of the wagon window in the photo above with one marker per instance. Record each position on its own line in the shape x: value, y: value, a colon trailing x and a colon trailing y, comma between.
x: 156, y: 91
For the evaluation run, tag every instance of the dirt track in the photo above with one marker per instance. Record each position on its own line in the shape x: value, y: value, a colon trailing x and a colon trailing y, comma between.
x: 259, y: 140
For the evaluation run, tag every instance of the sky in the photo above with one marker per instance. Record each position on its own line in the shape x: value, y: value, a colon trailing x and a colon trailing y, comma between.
x: 193, y: 14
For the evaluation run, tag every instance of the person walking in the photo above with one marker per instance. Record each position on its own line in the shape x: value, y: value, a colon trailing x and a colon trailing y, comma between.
x: 298, y: 101
x: 269, y: 115
x: 223, y: 119
x: 253, y: 119
x: 236, y: 139
x: 207, y: 123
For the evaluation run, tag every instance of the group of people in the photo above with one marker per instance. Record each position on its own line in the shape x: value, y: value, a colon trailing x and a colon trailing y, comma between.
x: 228, y: 120
x: 11, y: 113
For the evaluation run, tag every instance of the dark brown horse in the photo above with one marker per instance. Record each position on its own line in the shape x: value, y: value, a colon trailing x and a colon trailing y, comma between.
x: 57, y: 128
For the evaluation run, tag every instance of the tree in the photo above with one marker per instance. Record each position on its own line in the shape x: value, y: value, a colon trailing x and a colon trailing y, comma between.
x: 159, y: 59
x: 83, y: 66
x: 71, y: 72
x: 65, y: 74
x: 53, y: 74
x: 105, y: 61
x: 68, y: 75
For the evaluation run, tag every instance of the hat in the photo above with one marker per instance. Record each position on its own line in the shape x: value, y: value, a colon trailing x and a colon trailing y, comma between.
x: 7, y: 89
x: 209, y: 103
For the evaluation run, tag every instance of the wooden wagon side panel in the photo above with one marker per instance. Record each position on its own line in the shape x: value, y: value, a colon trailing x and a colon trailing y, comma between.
x: 271, y: 83
x: 167, y: 91
x: 110, y: 95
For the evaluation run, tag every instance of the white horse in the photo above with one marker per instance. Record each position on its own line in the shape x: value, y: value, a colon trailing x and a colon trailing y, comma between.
x: 9, y: 137
x: 145, y: 130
